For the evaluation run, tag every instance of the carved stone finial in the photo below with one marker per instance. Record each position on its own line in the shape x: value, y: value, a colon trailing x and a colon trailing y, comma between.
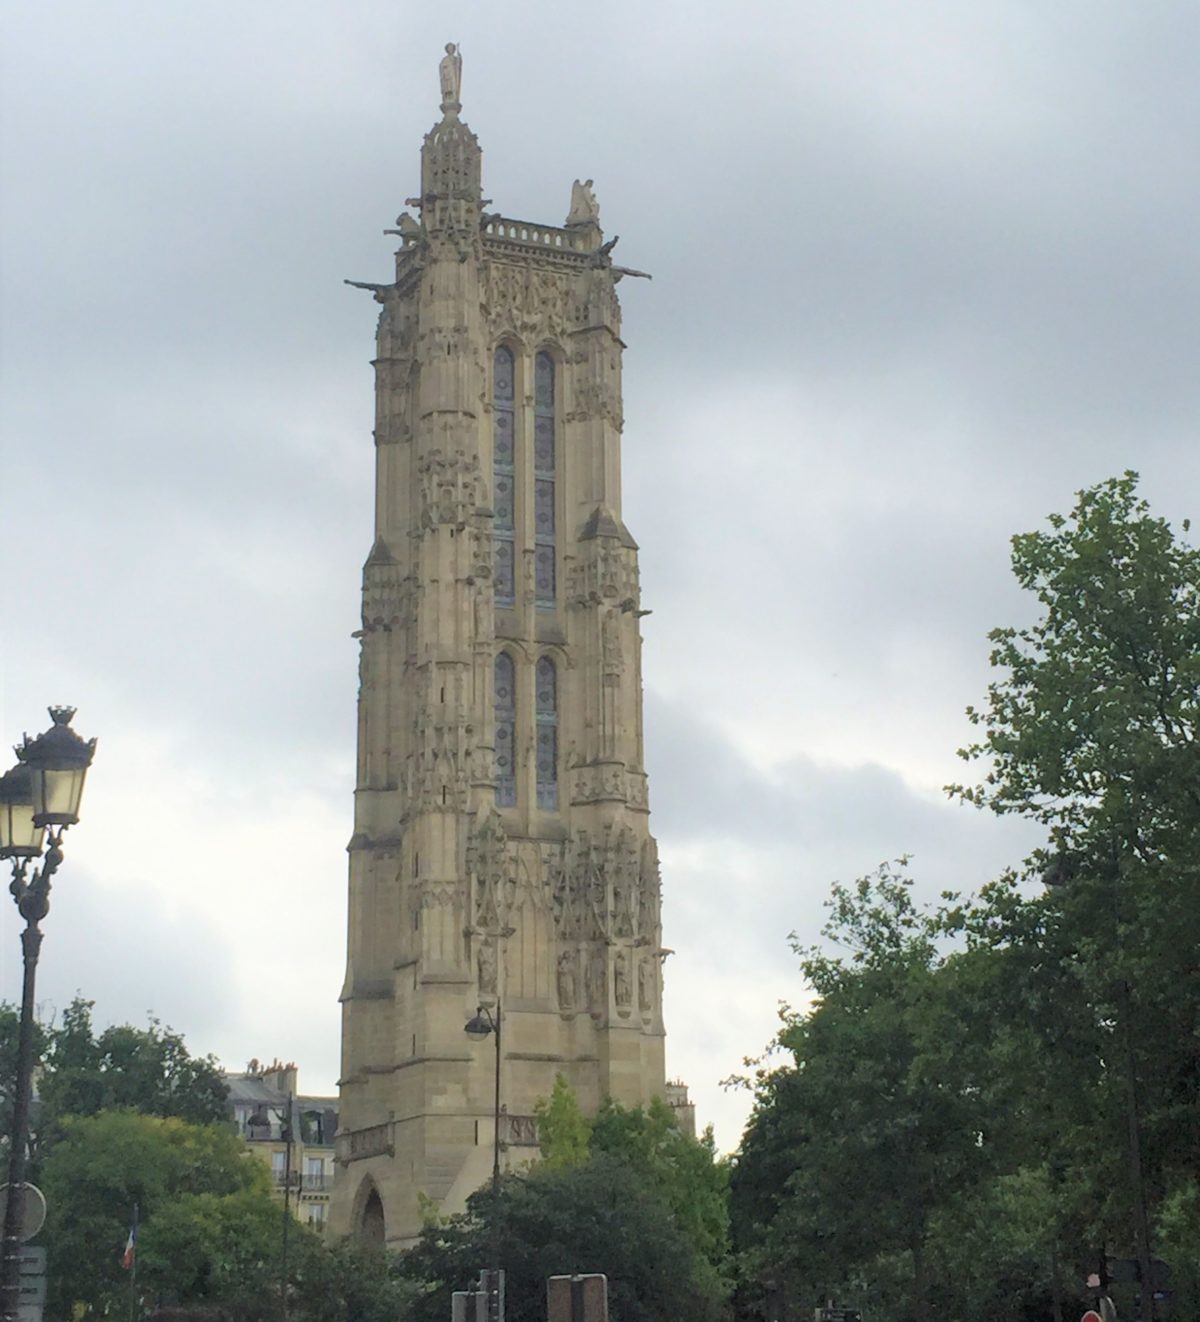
x: 450, y: 74
x: 585, y: 210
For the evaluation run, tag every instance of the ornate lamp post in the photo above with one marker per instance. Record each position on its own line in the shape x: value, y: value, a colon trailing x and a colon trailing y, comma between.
x: 42, y: 791
x: 483, y: 1023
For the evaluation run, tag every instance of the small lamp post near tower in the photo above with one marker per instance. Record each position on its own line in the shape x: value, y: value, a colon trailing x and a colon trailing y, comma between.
x: 482, y: 1024
x: 41, y: 793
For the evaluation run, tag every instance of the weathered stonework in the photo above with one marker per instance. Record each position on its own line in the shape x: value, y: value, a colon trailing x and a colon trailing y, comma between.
x: 499, y: 857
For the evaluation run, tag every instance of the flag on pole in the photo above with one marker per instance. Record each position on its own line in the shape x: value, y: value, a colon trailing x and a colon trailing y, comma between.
x: 130, y: 1255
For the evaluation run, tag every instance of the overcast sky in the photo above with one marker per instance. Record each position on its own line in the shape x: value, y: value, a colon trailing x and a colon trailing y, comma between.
x: 921, y: 271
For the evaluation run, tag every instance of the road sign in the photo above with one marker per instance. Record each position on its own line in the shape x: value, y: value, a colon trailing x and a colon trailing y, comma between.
x: 1091, y: 1316
x: 33, y: 1209
x: 577, y: 1298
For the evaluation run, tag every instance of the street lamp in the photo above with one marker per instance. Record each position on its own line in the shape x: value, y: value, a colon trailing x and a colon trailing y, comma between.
x: 42, y: 790
x: 479, y: 1026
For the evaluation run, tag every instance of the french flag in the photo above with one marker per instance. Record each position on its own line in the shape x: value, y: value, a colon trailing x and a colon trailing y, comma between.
x: 130, y: 1255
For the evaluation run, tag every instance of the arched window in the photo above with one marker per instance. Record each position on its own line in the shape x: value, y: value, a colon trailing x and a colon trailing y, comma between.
x: 506, y: 722
x: 503, y: 476
x: 543, y: 481
x: 547, y: 735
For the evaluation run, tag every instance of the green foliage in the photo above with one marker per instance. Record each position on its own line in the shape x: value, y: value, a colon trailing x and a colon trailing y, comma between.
x: 952, y: 1122
x: 222, y: 1250
x: 104, y: 1165
x: 685, y: 1173
x: 854, y: 1148
x: 146, y: 1069
x: 1091, y: 728
x: 600, y: 1216
x: 352, y: 1282
x: 564, y: 1131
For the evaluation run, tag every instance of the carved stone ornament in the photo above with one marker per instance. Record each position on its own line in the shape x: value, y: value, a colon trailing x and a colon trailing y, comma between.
x: 585, y: 210
x: 597, y: 980
x: 529, y: 301
x: 450, y: 77
x: 450, y: 488
x: 490, y: 869
x: 621, y: 979
x: 567, y: 973
x: 645, y: 987
x: 487, y: 967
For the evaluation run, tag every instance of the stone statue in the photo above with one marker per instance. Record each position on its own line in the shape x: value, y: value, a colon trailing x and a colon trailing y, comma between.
x: 585, y: 210
x: 621, y: 979
x: 596, y: 981
x: 450, y: 73
x: 645, y: 995
x: 487, y: 968
x: 566, y: 980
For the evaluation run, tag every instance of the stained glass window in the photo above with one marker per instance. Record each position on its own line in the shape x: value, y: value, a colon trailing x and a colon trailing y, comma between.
x: 547, y: 735
x: 503, y: 476
x: 544, y: 576
x: 506, y: 722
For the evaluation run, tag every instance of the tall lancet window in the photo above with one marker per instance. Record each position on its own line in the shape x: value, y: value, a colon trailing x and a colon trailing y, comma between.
x: 547, y: 735
x: 543, y: 481
x: 506, y: 723
x: 503, y: 483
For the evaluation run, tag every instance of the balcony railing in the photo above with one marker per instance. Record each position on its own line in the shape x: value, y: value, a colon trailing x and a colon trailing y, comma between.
x: 309, y: 1182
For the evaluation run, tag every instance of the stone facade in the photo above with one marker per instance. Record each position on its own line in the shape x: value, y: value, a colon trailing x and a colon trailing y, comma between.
x: 501, y: 854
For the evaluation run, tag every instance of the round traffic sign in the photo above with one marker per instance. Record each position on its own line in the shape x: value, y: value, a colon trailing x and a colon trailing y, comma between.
x: 1091, y: 1316
x: 33, y: 1209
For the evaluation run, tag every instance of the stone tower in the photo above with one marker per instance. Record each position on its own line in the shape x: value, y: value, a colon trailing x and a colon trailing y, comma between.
x: 501, y: 853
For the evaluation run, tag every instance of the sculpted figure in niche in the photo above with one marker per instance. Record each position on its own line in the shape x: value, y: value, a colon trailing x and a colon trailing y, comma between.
x: 610, y: 642
x: 566, y: 980
x: 621, y: 979
x: 450, y: 73
x: 585, y: 210
x: 487, y: 967
x: 597, y: 980
x: 645, y: 992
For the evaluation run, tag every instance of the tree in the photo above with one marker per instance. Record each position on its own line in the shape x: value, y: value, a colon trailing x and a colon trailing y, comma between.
x: 686, y: 1173
x: 351, y: 1281
x: 564, y: 1132
x: 596, y: 1217
x: 881, y: 1120
x: 222, y: 1250
x: 149, y: 1070
x: 1092, y: 726
x: 1091, y: 729
x: 105, y: 1164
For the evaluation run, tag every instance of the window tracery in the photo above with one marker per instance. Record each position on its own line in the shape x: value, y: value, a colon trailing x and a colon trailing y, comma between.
x: 504, y: 476
x: 546, y: 676
x: 545, y: 584
x: 505, y: 702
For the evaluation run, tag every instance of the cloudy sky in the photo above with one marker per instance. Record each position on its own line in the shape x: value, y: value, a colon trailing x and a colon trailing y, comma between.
x: 920, y: 272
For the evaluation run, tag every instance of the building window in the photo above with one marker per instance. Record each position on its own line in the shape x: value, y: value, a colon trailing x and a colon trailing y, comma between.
x: 547, y: 735
x: 504, y: 476
x: 506, y: 723
x: 543, y: 481
x: 314, y: 1213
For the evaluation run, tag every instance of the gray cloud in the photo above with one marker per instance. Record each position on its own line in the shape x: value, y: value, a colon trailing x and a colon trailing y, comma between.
x: 919, y: 275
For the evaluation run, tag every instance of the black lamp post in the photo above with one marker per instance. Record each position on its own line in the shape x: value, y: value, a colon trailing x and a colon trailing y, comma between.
x: 483, y: 1023
x: 42, y: 791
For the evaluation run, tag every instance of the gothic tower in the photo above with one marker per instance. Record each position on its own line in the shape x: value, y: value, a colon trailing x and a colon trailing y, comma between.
x: 501, y: 853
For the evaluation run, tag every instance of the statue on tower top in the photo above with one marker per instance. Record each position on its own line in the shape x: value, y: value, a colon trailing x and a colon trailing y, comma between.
x: 585, y: 210
x: 450, y: 73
